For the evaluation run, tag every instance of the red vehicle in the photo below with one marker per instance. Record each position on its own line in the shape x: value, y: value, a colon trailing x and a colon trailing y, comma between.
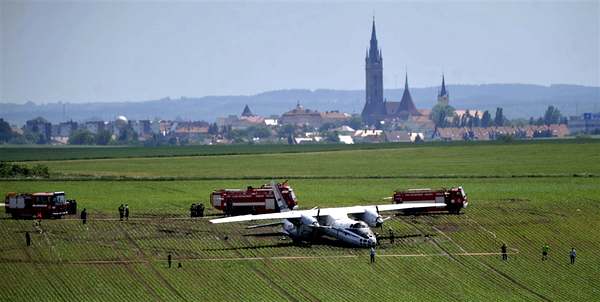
x: 254, y: 200
x: 36, y: 205
x: 454, y: 198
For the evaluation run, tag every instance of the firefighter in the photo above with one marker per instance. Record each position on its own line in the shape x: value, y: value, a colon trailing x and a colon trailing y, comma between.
x: 372, y: 254
x: 503, y: 250
x: 228, y: 208
x: 84, y: 216
x: 126, y: 212
x: 545, y: 250
x: 573, y: 255
x: 392, y: 237
x: 193, y: 210
x: 169, y: 258
x: 179, y: 265
x: 27, y: 238
x: 201, y: 210
x: 121, y: 212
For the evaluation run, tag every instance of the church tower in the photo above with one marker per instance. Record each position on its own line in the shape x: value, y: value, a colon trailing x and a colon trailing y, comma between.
x: 443, y: 96
x: 374, y: 105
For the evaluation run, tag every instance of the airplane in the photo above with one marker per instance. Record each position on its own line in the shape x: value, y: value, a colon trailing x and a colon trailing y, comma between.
x: 347, y: 224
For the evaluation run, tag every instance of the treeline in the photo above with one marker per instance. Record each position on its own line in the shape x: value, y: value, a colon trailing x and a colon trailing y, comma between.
x: 126, y: 136
x: 7, y: 135
x: 444, y: 116
x: 8, y: 170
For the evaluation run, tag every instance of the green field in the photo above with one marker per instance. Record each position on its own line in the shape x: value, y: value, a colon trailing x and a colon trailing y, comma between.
x: 521, y: 194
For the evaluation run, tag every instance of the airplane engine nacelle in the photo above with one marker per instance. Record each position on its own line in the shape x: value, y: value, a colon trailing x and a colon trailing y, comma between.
x: 308, y: 220
x: 372, y: 219
x: 304, y: 230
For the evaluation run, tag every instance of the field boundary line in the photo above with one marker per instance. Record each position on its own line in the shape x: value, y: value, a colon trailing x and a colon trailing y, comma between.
x: 274, y: 258
x: 87, y: 177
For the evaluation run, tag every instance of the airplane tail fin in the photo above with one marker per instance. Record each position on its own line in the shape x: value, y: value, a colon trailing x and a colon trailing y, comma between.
x: 281, y: 204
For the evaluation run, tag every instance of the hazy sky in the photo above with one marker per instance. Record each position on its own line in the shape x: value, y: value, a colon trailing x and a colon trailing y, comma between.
x: 125, y: 51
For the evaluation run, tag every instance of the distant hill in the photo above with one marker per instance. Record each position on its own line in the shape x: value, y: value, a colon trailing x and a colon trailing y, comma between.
x: 518, y: 100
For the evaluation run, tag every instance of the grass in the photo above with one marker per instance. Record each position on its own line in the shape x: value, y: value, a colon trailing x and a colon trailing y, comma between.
x: 44, y: 152
x: 430, y: 259
x: 479, y: 160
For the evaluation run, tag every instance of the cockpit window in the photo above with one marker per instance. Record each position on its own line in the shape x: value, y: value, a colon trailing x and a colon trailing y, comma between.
x: 358, y: 225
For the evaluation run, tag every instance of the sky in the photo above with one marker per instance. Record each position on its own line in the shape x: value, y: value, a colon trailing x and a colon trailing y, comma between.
x: 84, y: 51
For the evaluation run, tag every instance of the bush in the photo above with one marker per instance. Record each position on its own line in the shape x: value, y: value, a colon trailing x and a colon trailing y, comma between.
x: 15, y: 170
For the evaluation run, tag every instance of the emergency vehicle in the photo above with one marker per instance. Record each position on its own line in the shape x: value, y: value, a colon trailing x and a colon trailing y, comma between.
x: 260, y: 200
x: 454, y: 198
x: 39, y: 205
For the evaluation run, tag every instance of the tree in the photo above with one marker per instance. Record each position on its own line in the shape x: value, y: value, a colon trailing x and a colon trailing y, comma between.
x: 213, y: 129
x: 259, y: 131
x: 103, y: 137
x: 355, y: 122
x: 499, y: 119
x: 552, y: 116
x: 5, y: 131
x: 332, y: 137
x: 439, y: 113
x: 486, y: 119
x: 82, y: 137
x: 326, y: 127
x: 286, y: 130
x: 127, y: 136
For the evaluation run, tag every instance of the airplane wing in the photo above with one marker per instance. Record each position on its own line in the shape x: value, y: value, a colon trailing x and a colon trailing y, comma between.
x: 281, y: 215
x: 407, y: 206
x: 381, y: 208
x: 328, y: 211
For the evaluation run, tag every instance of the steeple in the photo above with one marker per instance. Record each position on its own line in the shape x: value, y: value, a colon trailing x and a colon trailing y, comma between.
x: 374, y: 53
x: 374, y: 108
x: 407, y: 107
x: 443, y: 90
x: 373, y: 32
x: 443, y: 96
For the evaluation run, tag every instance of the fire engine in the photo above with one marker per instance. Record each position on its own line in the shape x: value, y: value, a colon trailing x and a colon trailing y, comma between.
x: 254, y: 200
x: 39, y: 205
x: 454, y: 198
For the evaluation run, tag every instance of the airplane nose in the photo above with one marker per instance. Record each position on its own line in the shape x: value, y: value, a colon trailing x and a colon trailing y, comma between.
x: 372, y: 241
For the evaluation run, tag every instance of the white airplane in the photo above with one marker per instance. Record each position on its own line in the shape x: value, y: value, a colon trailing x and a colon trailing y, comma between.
x: 304, y: 225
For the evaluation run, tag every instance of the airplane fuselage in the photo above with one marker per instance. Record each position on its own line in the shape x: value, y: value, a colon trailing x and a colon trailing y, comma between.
x: 353, y: 232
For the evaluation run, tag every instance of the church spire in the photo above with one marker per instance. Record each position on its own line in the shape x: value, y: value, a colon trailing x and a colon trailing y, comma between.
x: 374, y: 51
x: 406, y: 81
x: 373, y: 33
x: 443, y: 91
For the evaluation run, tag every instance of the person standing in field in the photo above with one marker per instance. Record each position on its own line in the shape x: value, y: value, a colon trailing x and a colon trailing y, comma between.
x: 392, y: 237
x: 169, y: 258
x: 126, y: 212
x: 27, y: 238
x: 84, y: 216
x: 372, y: 254
x: 504, y: 253
x: 545, y: 251
x: 573, y: 255
x: 121, y: 212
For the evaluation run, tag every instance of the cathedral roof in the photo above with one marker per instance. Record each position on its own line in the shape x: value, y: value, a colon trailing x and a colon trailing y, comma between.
x: 247, y: 111
x: 406, y: 104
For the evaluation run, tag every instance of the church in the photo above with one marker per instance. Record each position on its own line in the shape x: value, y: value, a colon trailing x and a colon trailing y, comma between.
x: 376, y: 107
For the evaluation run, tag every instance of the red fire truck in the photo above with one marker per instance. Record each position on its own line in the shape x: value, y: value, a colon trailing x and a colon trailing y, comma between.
x: 454, y: 198
x: 269, y: 198
x: 36, y: 205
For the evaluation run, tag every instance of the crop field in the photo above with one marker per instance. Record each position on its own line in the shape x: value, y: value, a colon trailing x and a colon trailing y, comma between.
x: 523, y: 195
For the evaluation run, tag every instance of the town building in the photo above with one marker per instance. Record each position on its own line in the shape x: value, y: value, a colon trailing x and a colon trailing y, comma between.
x: 300, y: 116
x: 588, y: 123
